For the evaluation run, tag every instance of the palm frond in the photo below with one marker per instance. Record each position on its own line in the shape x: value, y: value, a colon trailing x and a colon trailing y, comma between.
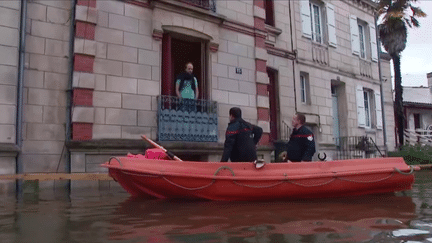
x: 417, y: 12
x: 415, y: 22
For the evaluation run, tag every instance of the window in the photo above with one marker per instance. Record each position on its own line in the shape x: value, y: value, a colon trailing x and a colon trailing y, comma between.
x: 362, y: 38
x: 368, y: 101
x: 417, y: 121
x: 304, y: 88
x: 367, y: 105
x: 313, y: 21
x: 315, y: 11
x: 269, y: 10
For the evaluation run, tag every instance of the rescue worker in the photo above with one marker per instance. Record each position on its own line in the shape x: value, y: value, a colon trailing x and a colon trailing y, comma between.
x: 241, y: 139
x: 301, y: 146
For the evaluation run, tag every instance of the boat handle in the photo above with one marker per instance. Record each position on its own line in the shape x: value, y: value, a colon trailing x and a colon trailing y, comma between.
x: 405, y: 173
x: 118, y: 160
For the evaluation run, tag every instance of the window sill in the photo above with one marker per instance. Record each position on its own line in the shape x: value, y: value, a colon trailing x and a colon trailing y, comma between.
x: 273, y: 30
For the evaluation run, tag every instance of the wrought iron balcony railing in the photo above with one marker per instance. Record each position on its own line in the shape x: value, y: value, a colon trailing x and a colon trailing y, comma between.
x: 206, y: 4
x: 356, y: 148
x: 187, y: 120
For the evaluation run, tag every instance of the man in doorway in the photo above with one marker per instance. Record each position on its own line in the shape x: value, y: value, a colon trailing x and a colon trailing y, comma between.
x: 301, y: 146
x: 241, y: 139
x: 187, y: 84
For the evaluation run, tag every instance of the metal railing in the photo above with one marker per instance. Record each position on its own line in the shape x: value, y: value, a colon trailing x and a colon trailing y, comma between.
x: 356, y: 147
x: 206, y: 4
x: 285, y: 131
x: 187, y: 120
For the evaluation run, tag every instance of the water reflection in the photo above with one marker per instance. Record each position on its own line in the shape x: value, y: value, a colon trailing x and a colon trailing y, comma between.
x: 115, y: 217
x: 350, y: 219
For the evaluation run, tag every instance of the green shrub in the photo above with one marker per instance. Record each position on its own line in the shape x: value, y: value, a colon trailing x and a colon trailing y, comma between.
x: 414, y: 154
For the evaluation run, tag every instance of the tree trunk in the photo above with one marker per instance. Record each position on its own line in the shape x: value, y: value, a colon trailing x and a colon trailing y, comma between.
x: 398, y: 99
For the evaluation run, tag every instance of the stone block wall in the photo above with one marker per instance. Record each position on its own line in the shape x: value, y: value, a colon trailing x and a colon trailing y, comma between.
x: 9, y: 43
x: 46, y: 82
x: 127, y: 72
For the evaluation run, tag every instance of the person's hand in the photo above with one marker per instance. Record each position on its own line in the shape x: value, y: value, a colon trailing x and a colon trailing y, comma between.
x: 283, y: 156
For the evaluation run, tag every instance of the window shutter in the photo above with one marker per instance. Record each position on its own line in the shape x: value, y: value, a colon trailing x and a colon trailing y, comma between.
x: 361, y: 115
x: 373, y: 42
x: 355, y: 40
x: 379, y: 121
x: 331, y: 25
x: 306, y: 19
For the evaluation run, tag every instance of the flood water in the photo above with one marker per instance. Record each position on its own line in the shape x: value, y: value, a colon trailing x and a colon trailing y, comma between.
x: 115, y: 217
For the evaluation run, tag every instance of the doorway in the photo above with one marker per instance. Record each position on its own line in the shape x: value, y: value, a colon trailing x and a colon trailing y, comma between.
x: 274, y: 106
x: 335, y: 114
x: 177, y: 51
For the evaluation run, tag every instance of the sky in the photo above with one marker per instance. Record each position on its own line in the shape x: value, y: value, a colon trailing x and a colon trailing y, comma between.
x: 416, y: 59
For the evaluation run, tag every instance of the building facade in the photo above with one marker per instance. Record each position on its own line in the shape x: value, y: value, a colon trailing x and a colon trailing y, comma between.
x: 417, y: 103
x: 90, y: 77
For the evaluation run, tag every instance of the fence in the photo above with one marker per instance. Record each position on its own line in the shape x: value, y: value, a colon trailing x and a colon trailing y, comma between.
x: 187, y: 120
x: 356, y: 147
x: 418, y: 136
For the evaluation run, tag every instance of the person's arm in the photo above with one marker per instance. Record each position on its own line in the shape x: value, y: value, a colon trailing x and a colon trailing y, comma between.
x: 257, y: 132
x: 310, y: 148
x: 196, y: 88
x: 230, y: 138
x: 178, y: 88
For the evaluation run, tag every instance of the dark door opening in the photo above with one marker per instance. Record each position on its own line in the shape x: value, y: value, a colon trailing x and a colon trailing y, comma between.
x: 274, y: 110
x: 183, y: 52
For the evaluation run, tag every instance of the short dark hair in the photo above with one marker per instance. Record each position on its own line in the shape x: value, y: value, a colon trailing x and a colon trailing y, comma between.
x: 235, y: 112
x: 301, y: 118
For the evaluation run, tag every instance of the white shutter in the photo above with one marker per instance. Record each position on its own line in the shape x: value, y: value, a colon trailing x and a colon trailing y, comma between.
x: 331, y: 25
x: 379, y: 121
x: 306, y: 19
x: 355, y: 40
x: 361, y: 115
x: 373, y: 42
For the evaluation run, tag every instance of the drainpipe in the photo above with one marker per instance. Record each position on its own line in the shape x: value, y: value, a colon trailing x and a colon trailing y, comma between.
x: 294, y: 72
x: 69, y: 89
x: 381, y: 86
x: 20, y: 90
x: 294, y: 61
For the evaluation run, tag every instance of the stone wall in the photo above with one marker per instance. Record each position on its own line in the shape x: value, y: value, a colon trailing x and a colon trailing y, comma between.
x: 46, y: 82
x: 127, y: 69
x: 9, y: 44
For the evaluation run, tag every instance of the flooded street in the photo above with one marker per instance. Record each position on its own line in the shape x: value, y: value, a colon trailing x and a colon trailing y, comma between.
x: 115, y: 217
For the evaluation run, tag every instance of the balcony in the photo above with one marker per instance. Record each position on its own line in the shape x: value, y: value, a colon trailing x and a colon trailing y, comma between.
x: 365, y: 68
x: 320, y: 54
x: 205, y: 4
x: 187, y: 120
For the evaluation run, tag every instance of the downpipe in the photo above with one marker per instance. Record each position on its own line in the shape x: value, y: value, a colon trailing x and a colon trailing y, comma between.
x: 20, y: 96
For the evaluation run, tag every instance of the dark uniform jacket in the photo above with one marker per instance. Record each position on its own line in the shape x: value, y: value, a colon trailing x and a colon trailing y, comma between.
x: 301, y: 146
x: 240, y: 142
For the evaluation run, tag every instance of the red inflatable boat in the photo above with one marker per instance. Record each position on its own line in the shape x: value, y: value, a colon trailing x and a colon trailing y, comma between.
x: 154, y: 175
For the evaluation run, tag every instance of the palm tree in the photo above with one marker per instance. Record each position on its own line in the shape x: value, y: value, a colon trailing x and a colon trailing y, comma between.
x: 396, y: 16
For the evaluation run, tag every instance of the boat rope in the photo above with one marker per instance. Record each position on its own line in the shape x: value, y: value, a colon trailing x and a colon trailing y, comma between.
x: 224, y: 167
x: 143, y: 175
x: 405, y: 173
x: 118, y: 160
x: 189, y: 188
x: 382, y: 179
x: 268, y: 186
x: 250, y: 186
x: 321, y: 184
